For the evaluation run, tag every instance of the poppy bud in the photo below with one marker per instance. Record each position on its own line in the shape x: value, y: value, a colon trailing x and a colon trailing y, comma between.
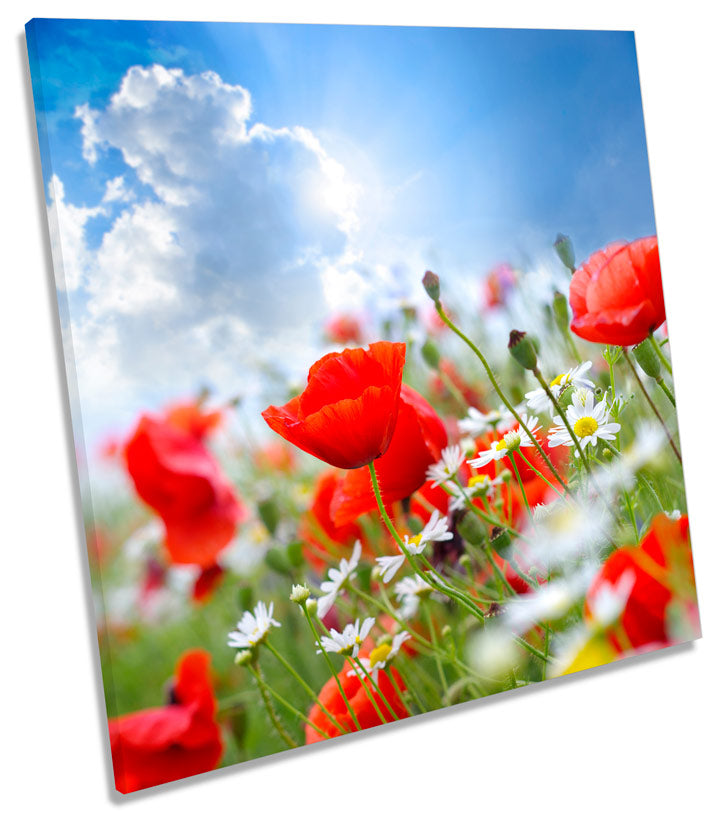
x: 431, y: 283
x: 647, y: 358
x: 277, y: 561
x: 430, y: 354
x: 565, y: 251
x: 500, y: 540
x: 294, y: 552
x: 522, y: 349
x: 560, y: 309
x: 471, y: 529
x: 269, y: 514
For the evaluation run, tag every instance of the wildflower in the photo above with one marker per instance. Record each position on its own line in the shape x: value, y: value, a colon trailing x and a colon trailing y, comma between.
x: 435, y: 530
x: 172, y: 741
x: 479, y: 486
x: 478, y: 422
x: 389, y: 566
x: 588, y: 422
x: 451, y: 459
x: 337, y: 579
x: 317, y: 526
x: 381, y: 655
x: 660, y: 604
x: 348, y: 641
x: 347, y: 414
x: 344, y: 329
x: 177, y: 476
x: 616, y: 295
x: 409, y: 591
x: 365, y: 711
x: 253, y: 627
x: 510, y: 442
x: 538, y: 401
x: 418, y: 440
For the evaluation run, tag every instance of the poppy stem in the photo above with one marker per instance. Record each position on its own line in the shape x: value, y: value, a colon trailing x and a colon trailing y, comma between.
x: 664, y: 387
x: 318, y: 641
x: 433, y: 637
x: 652, y: 405
x: 359, y: 672
x: 264, y: 693
x: 522, y: 488
x: 431, y: 577
x: 458, y: 332
x: 307, y: 688
x: 658, y: 350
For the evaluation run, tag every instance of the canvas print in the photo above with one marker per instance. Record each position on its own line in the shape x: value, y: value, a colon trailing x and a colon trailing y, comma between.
x: 369, y: 372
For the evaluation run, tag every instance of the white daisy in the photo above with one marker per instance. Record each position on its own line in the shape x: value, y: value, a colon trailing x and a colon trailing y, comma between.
x: 451, y: 459
x: 253, y: 627
x: 435, y: 530
x: 538, y: 401
x: 478, y: 422
x: 409, y: 592
x: 337, y: 579
x: 510, y: 442
x: 380, y: 656
x: 478, y: 486
x: 389, y: 566
x: 348, y: 641
x: 588, y: 422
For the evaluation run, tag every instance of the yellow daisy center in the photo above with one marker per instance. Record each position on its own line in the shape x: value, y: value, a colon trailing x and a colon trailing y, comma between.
x: 415, y: 540
x: 502, y: 444
x: 380, y: 654
x: 479, y: 479
x: 585, y: 426
x: 556, y: 382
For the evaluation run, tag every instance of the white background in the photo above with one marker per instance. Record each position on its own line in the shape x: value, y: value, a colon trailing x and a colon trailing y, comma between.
x: 640, y: 737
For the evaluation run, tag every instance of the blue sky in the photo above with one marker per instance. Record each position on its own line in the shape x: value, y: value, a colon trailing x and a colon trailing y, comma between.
x: 381, y: 151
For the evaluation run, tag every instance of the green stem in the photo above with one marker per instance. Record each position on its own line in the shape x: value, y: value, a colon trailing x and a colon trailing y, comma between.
x: 660, y: 354
x: 522, y: 487
x: 274, y: 718
x: 295, y: 711
x: 668, y: 392
x: 652, y: 405
x: 433, y: 637
x: 501, y: 395
x: 331, y: 666
x: 540, y: 475
x: 430, y: 578
x: 307, y: 688
x: 359, y: 674
x: 376, y: 686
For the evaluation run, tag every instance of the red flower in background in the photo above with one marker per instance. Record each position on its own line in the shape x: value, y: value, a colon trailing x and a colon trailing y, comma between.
x: 190, y: 417
x: 344, y: 329
x: 500, y: 281
x: 661, y: 569
x: 346, y: 415
x: 177, y: 476
x: 417, y: 443
x: 616, y: 296
x: 173, y: 741
x: 332, y: 699
x: 323, y: 539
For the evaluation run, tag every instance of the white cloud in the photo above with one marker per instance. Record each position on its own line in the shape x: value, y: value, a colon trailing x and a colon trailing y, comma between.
x: 214, y: 261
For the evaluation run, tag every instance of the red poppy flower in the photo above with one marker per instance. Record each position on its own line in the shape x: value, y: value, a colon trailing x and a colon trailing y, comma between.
x: 173, y: 741
x: 190, y: 417
x: 344, y: 329
x: 497, y: 286
x: 347, y: 414
x: 323, y: 539
x: 617, y: 296
x: 176, y: 475
x: 365, y: 712
x: 662, y: 570
x: 417, y: 443
x: 206, y: 582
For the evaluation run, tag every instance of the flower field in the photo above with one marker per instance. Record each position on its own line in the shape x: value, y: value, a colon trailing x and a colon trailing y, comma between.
x: 438, y: 514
